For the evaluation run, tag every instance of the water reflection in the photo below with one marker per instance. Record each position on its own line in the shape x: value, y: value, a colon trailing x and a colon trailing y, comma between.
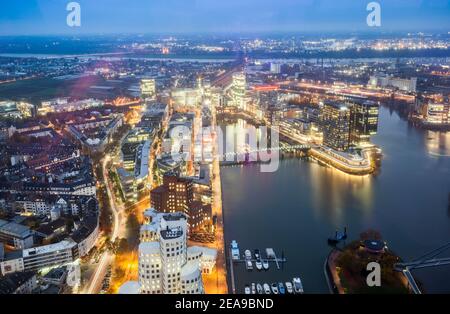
x: 438, y: 143
x: 336, y: 193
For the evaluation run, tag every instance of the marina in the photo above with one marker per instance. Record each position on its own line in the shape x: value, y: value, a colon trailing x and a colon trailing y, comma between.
x: 289, y: 287
x: 261, y: 263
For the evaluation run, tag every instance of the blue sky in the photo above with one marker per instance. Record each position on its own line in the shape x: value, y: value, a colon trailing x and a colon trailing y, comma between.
x: 27, y: 17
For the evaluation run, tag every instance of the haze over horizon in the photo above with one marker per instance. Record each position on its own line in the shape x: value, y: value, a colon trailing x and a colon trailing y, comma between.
x: 48, y: 17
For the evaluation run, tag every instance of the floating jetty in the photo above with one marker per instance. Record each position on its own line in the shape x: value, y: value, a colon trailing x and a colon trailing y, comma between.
x: 270, y: 257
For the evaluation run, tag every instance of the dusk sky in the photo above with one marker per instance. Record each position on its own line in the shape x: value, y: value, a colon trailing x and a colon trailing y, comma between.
x: 27, y: 17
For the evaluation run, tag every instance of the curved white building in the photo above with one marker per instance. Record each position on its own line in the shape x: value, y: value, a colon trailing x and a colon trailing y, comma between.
x: 166, y: 265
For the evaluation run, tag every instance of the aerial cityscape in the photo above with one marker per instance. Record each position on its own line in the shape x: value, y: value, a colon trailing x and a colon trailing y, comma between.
x: 224, y: 154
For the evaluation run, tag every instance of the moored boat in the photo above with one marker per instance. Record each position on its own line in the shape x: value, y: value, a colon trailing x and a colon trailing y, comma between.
x: 274, y: 288
x: 289, y: 287
x: 259, y: 289
x: 298, y: 286
x: 281, y: 288
x: 234, y: 250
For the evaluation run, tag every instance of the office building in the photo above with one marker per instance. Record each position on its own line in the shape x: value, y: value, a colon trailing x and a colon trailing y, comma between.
x: 148, y: 88
x: 175, y: 195
x: 238, y: 90
x: 336, y: 126
x: 363, y: 120
x: 62, y: 253
x: 407, y: 85
x: 166, y: 264
x: 275, y: 68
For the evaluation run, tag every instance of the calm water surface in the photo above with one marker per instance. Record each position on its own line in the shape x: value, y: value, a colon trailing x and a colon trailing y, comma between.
x: 296, y: 209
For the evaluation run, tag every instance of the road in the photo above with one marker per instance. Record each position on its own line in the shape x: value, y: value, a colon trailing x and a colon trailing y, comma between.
x: 219, y: 244
x: 95, y: 283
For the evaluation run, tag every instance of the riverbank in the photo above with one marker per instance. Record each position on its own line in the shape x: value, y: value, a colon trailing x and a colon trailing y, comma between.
x: 216, y: 283
x: 346, y: 269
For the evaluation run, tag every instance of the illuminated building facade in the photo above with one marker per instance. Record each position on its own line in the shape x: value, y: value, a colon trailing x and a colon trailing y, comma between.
x: 238, y: 90
x: 364, y: 120
x: 148, y: 88
x: 407, y: 85
x: 166, y: 264
x: 16, y: 110
x: 175, y: 195
x: 437, y: 114
x: 336, y: 126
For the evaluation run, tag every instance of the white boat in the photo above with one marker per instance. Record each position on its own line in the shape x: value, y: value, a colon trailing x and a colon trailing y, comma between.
x: 253, y: 288
x: 247, y: 289
x: 235, y: 250
x: 259, y: 289
x: 270, y: 253
x: 259, y: 265
x: 265, y: 264
x: 289, y: 287
x: 249, y: 264
x: 267, y: 289
x: 298, y: 286
x: 274, y: 288
x: 248, y: 254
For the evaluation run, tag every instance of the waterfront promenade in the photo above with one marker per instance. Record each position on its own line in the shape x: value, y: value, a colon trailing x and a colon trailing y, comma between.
x: 216, y: 283
x: 347, y: 163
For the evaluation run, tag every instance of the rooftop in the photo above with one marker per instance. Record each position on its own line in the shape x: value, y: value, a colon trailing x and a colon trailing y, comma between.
x: 130, y: 287
x: 10, y: 283
x: 171, y: 233
x: 63, y: 245
x: 15, y: 229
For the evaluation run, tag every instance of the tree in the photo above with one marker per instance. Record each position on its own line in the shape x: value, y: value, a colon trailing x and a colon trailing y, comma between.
x: 370, y: 234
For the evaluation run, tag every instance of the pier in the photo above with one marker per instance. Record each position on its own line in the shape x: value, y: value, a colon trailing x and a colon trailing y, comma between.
x: 270, y: 258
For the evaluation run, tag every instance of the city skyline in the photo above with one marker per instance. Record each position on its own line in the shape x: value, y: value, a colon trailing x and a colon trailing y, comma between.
x: 39, y: 17
x: 242, y: 147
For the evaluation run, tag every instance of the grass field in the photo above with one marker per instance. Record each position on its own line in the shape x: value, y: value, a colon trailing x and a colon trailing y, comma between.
x: 37, y: 90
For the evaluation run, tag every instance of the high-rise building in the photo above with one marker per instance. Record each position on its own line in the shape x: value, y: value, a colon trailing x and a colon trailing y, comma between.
x: 363, y: 120
x: 238, y: 90
x: 336, y: 126
x: 177, y: 195
x: 275, y: 68
x: 148, y: 88
x: 166, y: 264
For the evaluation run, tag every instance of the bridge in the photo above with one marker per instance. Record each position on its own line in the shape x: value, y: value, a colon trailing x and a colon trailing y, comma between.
x: 425, y: 261
x: 230, y: 156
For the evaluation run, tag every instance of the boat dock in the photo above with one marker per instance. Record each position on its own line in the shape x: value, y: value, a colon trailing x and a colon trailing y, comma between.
x: 270, y: 258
